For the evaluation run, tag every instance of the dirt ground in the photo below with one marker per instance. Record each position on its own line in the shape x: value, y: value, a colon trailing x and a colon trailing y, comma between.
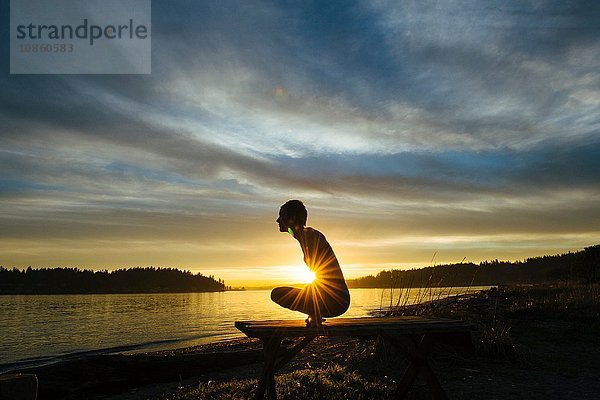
x: 554, y: 360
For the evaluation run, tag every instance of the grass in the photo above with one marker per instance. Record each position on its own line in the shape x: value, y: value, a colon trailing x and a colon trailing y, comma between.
x: 570, y: 301
x: 533, y: 339
x: 498, y: 311
x: 424, y: 299
x: 333, y: 383
x: 495, y: 342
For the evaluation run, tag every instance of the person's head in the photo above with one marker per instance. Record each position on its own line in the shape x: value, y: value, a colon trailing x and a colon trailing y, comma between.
x: 292, y: 215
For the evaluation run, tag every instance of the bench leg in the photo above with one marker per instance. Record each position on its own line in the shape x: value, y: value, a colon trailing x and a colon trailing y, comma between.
x: 432, y: 381
x: 287, y: 357
x: 267, y: 379
x: 407, y: 380
x: 416, y: 348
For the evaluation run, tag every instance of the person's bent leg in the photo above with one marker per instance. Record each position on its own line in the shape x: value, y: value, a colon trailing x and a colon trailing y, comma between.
x: 312, y: 300
x: 333, y: 299
x: 295, y: 299
x: 286, y: 297
x: 334, y: 310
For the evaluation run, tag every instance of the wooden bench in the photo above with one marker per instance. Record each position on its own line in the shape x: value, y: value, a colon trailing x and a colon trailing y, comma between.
x: 412, y: 335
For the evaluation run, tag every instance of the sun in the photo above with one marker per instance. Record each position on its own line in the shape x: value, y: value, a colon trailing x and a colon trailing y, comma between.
x: 304, y: 275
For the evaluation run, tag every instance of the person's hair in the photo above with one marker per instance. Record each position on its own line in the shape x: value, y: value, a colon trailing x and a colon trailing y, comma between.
x: 296, y: 211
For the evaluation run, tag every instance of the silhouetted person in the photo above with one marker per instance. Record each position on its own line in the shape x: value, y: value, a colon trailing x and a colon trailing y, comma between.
x: 327, y: 295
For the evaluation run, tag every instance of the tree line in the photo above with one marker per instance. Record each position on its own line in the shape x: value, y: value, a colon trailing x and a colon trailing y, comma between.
x: 126, y: 280
x: 583, y: 265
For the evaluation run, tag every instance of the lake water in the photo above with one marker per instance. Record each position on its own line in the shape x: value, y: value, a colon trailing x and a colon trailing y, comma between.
x: 36, y: 329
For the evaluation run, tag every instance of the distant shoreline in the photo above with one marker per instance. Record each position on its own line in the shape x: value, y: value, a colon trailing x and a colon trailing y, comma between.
x: 121, y: 281
x: 101, y: 293
x: 235, y: 290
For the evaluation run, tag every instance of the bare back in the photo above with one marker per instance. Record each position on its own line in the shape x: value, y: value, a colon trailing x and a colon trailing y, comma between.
x: 319, y: 257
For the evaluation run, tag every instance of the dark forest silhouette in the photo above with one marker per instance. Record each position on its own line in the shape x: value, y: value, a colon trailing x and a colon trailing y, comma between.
x: 131, y: 280
x: 583, y: 265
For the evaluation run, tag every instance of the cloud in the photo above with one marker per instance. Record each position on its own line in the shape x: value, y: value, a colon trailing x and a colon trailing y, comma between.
x: 454, y: 120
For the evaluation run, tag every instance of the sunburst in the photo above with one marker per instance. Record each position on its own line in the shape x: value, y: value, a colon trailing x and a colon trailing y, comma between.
x: 303, y: 275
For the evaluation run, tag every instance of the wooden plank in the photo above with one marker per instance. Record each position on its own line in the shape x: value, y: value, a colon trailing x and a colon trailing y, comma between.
x: 354, y: 321
x: 350, y: 322
x: 387, y: 324
x: 353, y: 327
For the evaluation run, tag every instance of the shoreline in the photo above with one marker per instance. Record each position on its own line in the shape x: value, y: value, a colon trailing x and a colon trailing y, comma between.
x: 128, y: 368
x: 14, y: 359
x: 531, y: 339
x: 133, y: 349
x: 112, y: 374
x: 165, y: 344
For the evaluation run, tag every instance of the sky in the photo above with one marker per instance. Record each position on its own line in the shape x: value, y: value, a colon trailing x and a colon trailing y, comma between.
x: 416, y: 132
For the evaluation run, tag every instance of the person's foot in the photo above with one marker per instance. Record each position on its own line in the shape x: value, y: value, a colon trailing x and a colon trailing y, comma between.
x: 312, y: 322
